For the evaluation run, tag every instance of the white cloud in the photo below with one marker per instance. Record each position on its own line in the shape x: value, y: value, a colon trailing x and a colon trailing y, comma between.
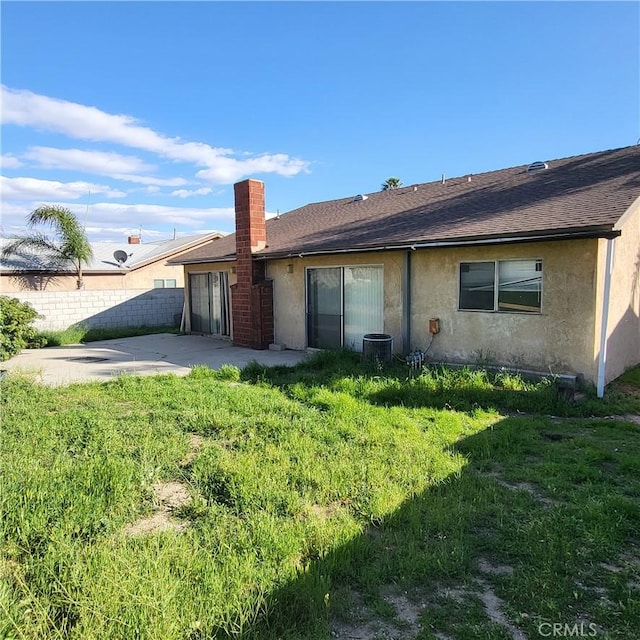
x: 113, y: 221
x: 184, y: 193
x: 228, y: 170
x: 9, y: 161
x: 158, y: 215
x: 149, y: 189
x: 162, y: 182
x: 104, y: 163
x: 24, y: 108
x: 44, y: 190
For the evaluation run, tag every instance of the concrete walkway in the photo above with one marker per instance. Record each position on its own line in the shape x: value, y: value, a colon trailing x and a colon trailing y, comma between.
x: 142, y: 355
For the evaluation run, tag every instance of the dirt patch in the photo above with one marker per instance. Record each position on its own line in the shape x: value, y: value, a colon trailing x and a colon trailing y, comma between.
x: 494, y: 569
x: 368, y: 626
x: 600, y: 592
x: 8, y: 568
x: 493, y: 608
x: 483, y: 591
x: 521, y: 486
x: 611, y: 567
x: 627, y: 417
x: 407, y: 611
x: 171, y: 495
x: 628, y: 561
x: 168, y: 496
x: 323, y: 512
x: 196, y: 442
x: 155, y: 523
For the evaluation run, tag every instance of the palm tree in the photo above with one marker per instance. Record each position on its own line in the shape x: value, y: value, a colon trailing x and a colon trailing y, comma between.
x: 391, y: 183
x: 68, y: 248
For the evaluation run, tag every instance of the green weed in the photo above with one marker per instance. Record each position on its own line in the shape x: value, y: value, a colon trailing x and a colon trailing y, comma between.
x: 77, y: 334
x: 316, y: 493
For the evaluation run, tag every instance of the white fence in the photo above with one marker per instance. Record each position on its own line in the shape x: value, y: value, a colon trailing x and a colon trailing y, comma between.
x: 104, y: 308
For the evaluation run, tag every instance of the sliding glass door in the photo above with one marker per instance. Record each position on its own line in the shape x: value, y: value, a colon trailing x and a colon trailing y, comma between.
x: 199, y: 302
x: 209, y: 303
x: 324, y: 308
x: 363, y: 304
x: 344, y: 304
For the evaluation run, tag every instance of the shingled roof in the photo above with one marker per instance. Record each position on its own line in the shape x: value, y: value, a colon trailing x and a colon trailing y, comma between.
x: 580, y: 196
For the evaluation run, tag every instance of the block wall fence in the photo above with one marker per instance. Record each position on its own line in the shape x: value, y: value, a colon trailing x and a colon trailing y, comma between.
x: 104, y: 309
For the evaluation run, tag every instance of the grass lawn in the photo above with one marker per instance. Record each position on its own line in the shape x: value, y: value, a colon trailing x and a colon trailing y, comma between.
x: 320, y: 501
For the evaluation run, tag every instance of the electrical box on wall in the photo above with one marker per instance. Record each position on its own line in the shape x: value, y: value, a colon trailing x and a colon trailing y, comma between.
x: 434, y: 325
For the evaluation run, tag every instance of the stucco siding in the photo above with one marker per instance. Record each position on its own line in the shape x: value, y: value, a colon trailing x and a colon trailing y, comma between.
x: 561, y: 338
x: 558, y: 339
x: 623, y: 325
x: 289, y: 307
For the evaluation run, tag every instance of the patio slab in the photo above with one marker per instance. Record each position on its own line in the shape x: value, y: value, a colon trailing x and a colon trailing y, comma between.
x: 141, y: 355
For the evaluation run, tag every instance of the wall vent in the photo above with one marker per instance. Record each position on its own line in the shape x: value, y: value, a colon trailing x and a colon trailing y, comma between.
x: 537, y: 166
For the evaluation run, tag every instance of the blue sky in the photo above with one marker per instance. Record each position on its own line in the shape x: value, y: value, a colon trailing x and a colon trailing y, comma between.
x: 148, y: 112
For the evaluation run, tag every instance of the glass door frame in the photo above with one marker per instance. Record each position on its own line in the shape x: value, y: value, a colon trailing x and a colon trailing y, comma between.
x: 341, y: 268
x: 217, y: 298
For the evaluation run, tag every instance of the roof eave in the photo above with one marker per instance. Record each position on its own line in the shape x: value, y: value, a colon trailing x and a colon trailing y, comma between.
x: 602, y: 231
x: 571, y: 233
x: 228, y: 258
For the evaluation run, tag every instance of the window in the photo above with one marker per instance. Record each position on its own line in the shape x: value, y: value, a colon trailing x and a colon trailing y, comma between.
x: 501, y: 285
x: 168, y: 283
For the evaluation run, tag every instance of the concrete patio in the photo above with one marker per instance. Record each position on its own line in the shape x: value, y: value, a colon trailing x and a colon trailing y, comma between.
x: 141, y: 355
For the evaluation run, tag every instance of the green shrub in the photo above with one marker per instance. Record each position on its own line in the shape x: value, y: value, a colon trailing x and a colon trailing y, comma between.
x: 17, y: 332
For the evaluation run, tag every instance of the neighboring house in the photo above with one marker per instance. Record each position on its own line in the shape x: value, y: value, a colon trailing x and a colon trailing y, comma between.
x: 121, y: 283
x: 115, y: 265
x: 534, y: 267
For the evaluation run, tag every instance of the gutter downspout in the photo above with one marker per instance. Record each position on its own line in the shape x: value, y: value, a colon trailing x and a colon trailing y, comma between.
x: 602, y: 355
x: 406, y: 303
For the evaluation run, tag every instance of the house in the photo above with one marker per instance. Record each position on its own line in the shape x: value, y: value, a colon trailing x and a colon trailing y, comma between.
x: 125, y: 284
x: 535, y: 266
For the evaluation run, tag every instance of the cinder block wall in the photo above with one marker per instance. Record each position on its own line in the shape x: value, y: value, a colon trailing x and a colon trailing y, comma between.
x: 104, y: 309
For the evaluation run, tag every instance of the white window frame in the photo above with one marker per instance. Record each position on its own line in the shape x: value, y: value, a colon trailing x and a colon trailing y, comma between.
x: 164, y: 283
x: 496, y: 286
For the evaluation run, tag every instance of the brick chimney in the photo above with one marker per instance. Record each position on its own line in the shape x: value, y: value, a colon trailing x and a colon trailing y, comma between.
x: 134, y: 239
x: 252, y: 295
